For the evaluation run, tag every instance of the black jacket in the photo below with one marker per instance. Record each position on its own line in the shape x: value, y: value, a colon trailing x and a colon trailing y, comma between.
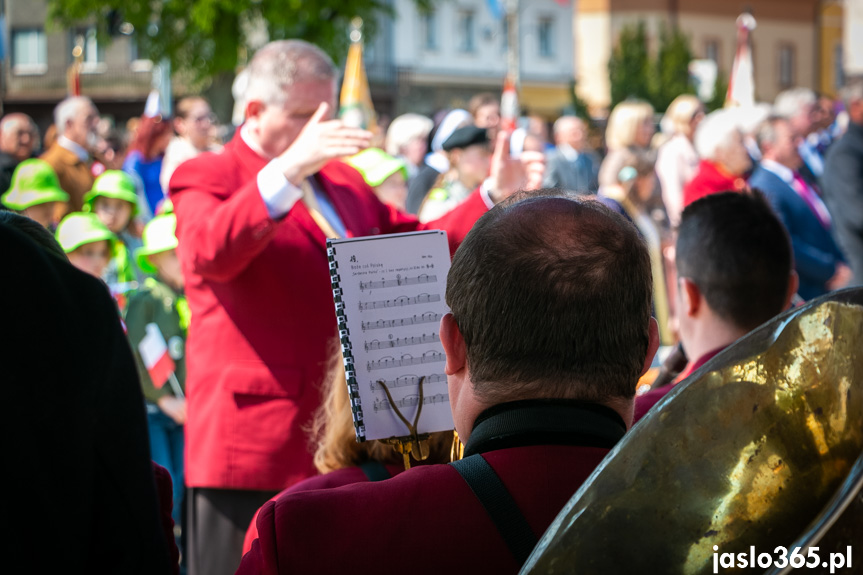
x: 843, y: 192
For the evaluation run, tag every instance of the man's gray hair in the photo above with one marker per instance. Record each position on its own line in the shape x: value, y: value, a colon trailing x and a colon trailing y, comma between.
x: 716, y: 131
x: 767, y: 133
x: 68, y: 109
x: 852, y: 91
x: 281, y: 64
x: 791, y: 102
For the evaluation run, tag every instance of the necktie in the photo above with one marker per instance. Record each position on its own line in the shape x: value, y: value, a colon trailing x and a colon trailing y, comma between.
x: 814, y: 202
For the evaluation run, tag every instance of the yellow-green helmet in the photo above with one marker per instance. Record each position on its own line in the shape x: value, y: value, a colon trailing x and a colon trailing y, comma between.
x: 79, y: 228
x: 375, y: 166
x: 34, y: 182
x: 113, y: 184
x: 159, y: 236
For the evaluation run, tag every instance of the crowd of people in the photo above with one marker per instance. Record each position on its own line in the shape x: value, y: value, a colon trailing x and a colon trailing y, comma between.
x: 686, y: 237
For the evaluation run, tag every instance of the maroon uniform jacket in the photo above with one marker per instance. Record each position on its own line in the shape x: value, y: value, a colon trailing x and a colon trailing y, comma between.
x: 710, y: 179
x: 263, y: 320
x: 427, y: 519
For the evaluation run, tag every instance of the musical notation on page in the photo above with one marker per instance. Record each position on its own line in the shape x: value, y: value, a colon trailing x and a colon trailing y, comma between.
x: 428, y: 317
x: 400, y: 301
x: 406, y: 360
x: 401, y: 341
x: 411, y: 401
x: 399, y: 281
x: 408, y: 381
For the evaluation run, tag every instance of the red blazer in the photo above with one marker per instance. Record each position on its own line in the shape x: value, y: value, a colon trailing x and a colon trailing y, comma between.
x: 263, y: 321
x: 425, y: 520
x: 337, y: 478
x: 710, y: 179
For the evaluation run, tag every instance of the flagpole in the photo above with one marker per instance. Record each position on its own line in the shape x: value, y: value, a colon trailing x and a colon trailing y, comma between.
x: 175, y: 385
x: 513, y: 50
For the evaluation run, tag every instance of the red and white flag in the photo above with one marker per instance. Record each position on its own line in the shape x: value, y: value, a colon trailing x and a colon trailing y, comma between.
x: 154, y: 352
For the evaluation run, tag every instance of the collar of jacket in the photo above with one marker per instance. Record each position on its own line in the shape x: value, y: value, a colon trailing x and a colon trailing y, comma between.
x: 545, y: 422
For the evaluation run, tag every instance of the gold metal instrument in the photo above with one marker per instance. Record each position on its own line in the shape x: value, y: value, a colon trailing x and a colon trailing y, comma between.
x: 761, y: 447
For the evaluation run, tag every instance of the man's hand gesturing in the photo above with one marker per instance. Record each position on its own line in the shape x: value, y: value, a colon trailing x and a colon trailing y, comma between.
x: 510, y: 175
x: 320, y: 141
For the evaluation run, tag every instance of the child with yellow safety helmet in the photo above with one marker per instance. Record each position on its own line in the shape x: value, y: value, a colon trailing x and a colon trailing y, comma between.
x: 157, y: 310
x: 34, y: 191
x: 114, y: 200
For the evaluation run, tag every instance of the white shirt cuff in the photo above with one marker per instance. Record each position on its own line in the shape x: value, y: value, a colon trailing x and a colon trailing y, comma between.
x: 278, y: 193
x: 485, y: 193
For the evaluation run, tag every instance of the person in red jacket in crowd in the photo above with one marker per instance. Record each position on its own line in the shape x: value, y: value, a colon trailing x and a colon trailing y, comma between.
x: 735, y: 271
x: 724, y: 159
x: 252, y: 223
x: 549, y: 332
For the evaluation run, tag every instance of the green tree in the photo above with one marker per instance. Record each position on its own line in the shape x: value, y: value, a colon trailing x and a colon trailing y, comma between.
x: 629, y: 65
x: 671, y: 68
x: 206, y: 40
x: 579, y: 106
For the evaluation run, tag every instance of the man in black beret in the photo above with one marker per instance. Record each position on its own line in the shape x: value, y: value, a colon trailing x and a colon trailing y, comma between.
x: 469, y: 151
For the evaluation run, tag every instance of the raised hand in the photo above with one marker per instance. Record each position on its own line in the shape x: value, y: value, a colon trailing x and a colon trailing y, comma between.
x: 510, y: 175
x: 320, y: 141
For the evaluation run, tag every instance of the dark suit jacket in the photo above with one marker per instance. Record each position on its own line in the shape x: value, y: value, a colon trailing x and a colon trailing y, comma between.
x: 815, y: 252
x: 578, y: 176
x: 843, y: 192
x: 425, y: 520
x: 263, y: 327
x: 79, y: 481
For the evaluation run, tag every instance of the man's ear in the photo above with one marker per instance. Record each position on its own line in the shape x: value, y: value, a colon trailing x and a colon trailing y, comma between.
x: 254, y: 108
x: 453, y: 345
x: 652, y: 344
x: 793, y: 285
x: 691, y: 296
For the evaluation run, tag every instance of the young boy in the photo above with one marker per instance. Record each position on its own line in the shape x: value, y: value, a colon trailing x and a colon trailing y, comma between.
x: 114, y: 200
x: 88, y: 244
x: 34, y: 192
x: 160, y: 301
x: 386, y: 174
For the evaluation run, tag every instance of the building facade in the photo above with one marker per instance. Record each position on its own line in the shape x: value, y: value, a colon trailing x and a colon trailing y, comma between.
x: 459, y: 48
x: 37, y: 59
x: 784, y: 45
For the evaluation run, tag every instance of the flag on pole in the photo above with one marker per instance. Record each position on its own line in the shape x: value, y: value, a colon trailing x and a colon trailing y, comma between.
x: 741, y: 83
x: 154, y: 352
x: 355, y: 103
x: 509, y: 109
x: 73, y: 73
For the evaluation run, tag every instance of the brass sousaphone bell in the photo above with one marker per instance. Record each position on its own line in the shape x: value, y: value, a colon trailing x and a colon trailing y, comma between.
x: 762, y: 447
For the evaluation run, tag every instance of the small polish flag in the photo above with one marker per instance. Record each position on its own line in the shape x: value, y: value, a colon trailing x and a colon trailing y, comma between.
x: 154, y: 352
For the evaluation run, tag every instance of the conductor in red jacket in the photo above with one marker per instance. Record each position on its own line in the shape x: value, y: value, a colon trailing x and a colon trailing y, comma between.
x: 549, y: 331
x: 252, y: 222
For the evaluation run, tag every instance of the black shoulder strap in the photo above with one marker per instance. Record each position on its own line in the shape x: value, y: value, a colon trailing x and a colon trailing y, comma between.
x: 499, y: 505
x: 375, y: 470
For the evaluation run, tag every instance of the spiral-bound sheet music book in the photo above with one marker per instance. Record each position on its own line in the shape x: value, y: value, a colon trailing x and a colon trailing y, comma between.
x: 389, y: 295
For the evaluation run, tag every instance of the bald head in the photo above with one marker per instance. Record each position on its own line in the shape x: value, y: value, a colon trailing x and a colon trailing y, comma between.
x: 18, y: 136
x: 281, y: 64
x: 570, y: 130
x: 552, y: 296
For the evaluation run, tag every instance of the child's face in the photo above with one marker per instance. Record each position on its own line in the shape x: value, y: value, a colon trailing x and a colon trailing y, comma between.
x: 114, y: 213
x: 92, y: 258
x: 168, y: 266
x: 394, y: 191
x: 41, y: 213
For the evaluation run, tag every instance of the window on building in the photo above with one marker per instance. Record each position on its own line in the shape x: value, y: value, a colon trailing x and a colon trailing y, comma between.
x: 138, y: 44
x: 429, y: 30
x: 711, y: 51
x: 28, y: 51
x: 786, y: 66
x: 546, y: 37
x: 466, y: 33
x: 504, y: 23
x: 93, y: 54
